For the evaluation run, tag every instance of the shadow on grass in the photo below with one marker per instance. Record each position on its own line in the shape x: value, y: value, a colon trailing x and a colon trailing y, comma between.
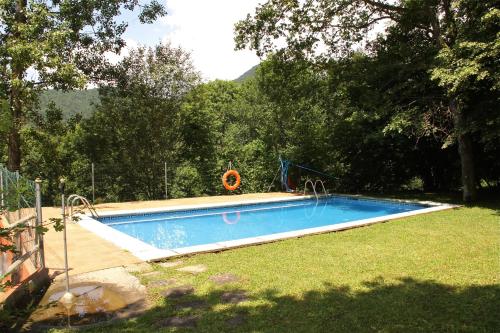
x: 407, y: 306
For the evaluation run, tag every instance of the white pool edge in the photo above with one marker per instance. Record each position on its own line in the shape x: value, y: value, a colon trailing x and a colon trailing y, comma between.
x: 147, y: 252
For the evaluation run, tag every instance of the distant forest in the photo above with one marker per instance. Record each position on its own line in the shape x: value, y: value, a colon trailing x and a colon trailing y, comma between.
x: 83, y: 102
x: 71, y: 102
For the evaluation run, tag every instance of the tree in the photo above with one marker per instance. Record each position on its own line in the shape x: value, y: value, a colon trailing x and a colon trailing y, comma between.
x: 59, y: 44
x: 221, y: 121
x: 42, y: 140
x: 322, y: 30
x: 136, y: 129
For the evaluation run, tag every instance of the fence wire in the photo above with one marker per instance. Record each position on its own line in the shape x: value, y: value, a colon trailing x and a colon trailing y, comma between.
x: 18, y: 202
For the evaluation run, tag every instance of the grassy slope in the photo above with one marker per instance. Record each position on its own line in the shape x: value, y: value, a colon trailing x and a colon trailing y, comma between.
x: 432, y: 273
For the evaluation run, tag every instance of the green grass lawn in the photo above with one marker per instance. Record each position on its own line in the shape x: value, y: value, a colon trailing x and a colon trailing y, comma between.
x: 437, y: 272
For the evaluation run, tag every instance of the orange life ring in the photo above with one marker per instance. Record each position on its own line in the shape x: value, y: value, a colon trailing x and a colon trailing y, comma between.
x: 236, y: 183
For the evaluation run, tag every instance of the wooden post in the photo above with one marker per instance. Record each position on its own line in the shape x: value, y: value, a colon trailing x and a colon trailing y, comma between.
x: 93, y: 184
x: 2, y: 203
x: 166, y: 183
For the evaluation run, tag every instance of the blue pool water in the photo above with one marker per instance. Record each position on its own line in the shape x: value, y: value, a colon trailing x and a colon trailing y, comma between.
x: 171, y: 230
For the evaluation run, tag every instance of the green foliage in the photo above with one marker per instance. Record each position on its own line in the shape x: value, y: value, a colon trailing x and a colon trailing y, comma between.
x: 472, y: 62
x: 64, y: 43
x: 54, y: 37
x: 5, y: 118
x: 44, y: 154
x: 187, y: 182
x: 132, y: 132
x: 427, y: 68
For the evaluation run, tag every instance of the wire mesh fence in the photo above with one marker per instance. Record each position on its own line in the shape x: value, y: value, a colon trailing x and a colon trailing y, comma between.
x: 18, y: 219
x: 17, y: 195
x: 100, y: 183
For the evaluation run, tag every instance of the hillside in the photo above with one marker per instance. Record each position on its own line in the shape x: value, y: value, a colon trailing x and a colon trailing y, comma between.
x: 247, y: 75
x: 82, y: 101
x: 71, y: 102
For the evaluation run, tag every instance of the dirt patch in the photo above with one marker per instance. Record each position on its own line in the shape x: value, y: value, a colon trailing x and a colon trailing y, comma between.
x: 235, y: 296
x: 237, y: 320
x: 178, y: 292
x: 188, y: 321
x: 224, y: 278
x: 193, y: 304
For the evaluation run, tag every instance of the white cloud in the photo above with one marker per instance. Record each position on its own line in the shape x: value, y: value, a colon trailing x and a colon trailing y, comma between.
x: 206, y: 29
x: 114, y: 58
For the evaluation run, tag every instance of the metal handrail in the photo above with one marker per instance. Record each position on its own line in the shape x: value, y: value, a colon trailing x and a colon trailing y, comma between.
x: 313, y: 187
x: 72, y: 199
x: 322, y: 185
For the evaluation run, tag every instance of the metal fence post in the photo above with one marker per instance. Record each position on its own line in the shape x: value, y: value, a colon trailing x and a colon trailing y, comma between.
x: 62, y: 185
x: 17, y: 236
x: 68, y: 297
x: 39, y: 221
x: 166, y: 186
x: 93, y: 184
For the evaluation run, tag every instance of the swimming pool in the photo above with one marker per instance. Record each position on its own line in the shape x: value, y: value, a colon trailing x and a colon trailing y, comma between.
x: 159, y: 234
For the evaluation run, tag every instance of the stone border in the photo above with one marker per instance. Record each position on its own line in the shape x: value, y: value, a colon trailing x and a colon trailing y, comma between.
x: 147, y: 252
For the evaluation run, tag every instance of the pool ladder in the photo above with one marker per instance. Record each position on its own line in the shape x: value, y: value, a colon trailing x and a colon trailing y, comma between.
x: 74, y: 198
x: 313, y: 185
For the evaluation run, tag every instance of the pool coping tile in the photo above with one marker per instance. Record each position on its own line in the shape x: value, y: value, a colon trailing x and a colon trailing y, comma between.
x: 241, y: 242
x: 198, y: 248
x: 200, y: 206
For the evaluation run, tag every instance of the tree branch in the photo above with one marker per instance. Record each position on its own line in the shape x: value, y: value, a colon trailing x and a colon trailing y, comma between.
x: 386, y: 8
x: 367, y: 24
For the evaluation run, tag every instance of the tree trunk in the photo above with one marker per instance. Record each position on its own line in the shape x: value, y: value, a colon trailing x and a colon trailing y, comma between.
x: 16, y: 104
x: 469, y: 192
x: 16, y: 109
x: 14, y: 153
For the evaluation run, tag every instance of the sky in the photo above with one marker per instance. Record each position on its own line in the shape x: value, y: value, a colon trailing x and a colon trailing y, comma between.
x: 203, y: 28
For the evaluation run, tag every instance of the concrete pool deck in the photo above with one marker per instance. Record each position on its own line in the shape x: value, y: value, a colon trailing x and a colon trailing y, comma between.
x: 87, y: 252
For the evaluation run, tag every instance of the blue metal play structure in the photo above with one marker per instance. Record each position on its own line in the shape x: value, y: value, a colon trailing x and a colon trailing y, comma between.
x: 285, y: 166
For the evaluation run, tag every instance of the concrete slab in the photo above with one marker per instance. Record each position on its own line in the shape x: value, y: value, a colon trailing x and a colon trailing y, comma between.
x: 98, y: 296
